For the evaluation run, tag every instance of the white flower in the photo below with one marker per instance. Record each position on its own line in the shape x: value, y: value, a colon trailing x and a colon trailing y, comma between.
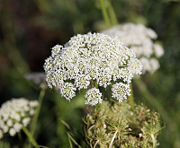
x: 146, y: 64
x: 154, y: 64
x: 83, y: 81
x: 48, y: 64
x: 140, y: 40
x: 150, y: 65
x: 56, y: 50
x: 158, y: 50
x: 33, y: 103
x: 90, y: 58
x: 12, y: 132
x: 120, y: 91
x: 9, y: 123
x: 31, y: 112
x: 104, y: 78
x: 135, y: 66
x: 26, y: 121
x: 116, y: 73
x: 14, y: 114
x: 17, y: 127
x: 93, y: 96
x: 126, y: 74
x: 5, y: 128
x: 68, y: 90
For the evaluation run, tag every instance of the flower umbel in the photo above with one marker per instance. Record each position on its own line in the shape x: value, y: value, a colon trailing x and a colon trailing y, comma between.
x: 140, y: 39
x: 15, y: 114
x: 90, y: 60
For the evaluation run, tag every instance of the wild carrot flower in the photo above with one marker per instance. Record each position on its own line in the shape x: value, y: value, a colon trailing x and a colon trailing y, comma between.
x: 91, y: 61
x: 140, y: 39
x: 15, y: 114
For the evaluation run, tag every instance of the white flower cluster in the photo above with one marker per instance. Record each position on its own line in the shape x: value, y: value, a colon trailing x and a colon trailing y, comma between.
x: 140, y: 39
x: 14, y: 114
x: 88, y: 62
x: 120, y: 91
x: 93, y: 96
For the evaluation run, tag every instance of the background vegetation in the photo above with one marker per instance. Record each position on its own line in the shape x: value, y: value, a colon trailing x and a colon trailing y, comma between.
x: 28, y: 30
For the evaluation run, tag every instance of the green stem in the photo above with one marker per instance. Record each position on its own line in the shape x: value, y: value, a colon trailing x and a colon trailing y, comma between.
x: 92, y: 83
x: 105, y: 14
x: 131, y: 97
x: 95, y: 84
x: 30, y: 137
x: 112, y: 14
x: 34, y: 121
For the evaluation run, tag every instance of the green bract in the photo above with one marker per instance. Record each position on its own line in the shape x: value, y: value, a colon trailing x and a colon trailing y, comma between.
x: 120, y: 125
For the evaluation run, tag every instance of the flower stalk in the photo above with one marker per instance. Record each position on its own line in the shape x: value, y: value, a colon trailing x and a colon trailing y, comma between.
x: 30, y: 137
x: 105, y: 14
x: 34, y: 121
x: 112, y: 14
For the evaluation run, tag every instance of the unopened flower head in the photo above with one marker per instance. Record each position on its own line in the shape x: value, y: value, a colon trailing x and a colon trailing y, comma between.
x: 121, y: 125
x: 140, y: 39
x: 88, y: 61
x: 15, y: 114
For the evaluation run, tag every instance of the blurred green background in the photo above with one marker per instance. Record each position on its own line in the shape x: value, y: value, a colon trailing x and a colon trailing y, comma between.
x: 28, y: 30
